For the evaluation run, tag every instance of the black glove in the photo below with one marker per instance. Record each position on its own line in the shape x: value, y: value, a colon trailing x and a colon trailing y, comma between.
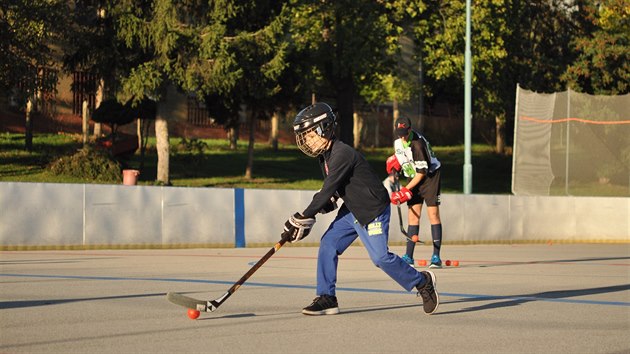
x: 297, y: 227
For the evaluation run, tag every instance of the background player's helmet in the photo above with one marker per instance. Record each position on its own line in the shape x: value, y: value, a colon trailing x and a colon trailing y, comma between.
x: 317, y: 118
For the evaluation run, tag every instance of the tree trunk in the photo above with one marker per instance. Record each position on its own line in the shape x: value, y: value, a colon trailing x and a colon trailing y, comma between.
x: 145, y: 126
x: 85, y: 128
x: 97, y: 102
x: 28, y: 127
x: 163, y: 150
x: 233, y: 137
x: 98, y: 130
x: 273, y: 139
x: 500, y: 133
x: 250, y: 147
x: 358, y: 126
x: 139, y: 131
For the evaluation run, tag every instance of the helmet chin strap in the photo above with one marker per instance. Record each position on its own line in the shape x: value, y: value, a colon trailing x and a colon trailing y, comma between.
x: 327, y: 146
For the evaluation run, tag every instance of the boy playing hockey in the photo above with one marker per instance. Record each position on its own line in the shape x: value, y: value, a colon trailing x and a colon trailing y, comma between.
x: 364, y: 213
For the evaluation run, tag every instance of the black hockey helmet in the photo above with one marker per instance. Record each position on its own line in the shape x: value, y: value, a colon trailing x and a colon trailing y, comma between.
x: 320, y: 119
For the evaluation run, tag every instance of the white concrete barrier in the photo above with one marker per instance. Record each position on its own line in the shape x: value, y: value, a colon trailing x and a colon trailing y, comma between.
x: 58, y: 215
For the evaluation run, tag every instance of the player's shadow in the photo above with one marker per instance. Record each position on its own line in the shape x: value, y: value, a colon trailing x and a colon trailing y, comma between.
x: 33, y: 303
x: 347, y: 311
x: 515, y: 300
x: 344, y: 311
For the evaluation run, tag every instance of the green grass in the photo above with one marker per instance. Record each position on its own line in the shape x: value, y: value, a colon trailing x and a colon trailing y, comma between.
x: 218, y: 166
x: 588, y: 189
x: 17, y: 164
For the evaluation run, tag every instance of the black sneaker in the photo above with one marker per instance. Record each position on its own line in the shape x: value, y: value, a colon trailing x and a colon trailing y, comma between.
x: 430, y: 298
x: 322, y: 305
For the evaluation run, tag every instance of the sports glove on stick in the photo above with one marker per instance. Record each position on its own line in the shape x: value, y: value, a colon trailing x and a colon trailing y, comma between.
x: 392, y: 165
x: 297, y: 227
x: 401, y: 196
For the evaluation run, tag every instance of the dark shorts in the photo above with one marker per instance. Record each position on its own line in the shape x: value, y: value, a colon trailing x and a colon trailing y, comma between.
x: 428, y: 191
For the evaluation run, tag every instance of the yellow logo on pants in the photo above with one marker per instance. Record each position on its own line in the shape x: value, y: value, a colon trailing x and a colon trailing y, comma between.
x: 375, y: 228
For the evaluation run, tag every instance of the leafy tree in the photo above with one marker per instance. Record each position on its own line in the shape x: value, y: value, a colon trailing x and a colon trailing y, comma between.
x: 114, y: 114
x: 441, y: 38
x: 144, y: 46
x: 350, y: 46
x: 602, y: 65
x: 28, y: 30
x: 154, y: 29
x: 259, y: 51
x: 98, y: 43
x: 512, y: 42
x: 227, y: 53
x: 538, y: 46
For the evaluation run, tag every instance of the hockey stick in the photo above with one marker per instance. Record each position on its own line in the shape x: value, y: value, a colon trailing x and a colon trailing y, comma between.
x: 212, y: 305
x: 400, y: 221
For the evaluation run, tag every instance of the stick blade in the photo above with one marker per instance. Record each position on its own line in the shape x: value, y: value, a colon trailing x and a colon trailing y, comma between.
x: 188, y: 302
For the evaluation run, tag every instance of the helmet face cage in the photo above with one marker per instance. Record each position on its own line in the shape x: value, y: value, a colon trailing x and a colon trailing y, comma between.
x: 313, y: 133
x: 312, y: 141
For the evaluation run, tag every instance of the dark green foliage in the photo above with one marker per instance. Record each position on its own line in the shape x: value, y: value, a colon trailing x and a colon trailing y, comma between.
x: 115, y: 113
x: 345, y: 48
x: 27, y: 29
x: 192, y: 156
x: 90, y: 164
x: 192, y: 145
x: 144, y: 109
x: 602, y: 65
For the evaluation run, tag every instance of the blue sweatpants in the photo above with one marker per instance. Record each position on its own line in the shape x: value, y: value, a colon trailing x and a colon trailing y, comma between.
x: 342, y: 232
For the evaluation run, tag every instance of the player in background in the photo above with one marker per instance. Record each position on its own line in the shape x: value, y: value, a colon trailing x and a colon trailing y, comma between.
x: 415, y: 159
x: 364, y: 213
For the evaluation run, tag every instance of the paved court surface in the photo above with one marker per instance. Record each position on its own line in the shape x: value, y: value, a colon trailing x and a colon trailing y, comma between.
x: 501, y: 299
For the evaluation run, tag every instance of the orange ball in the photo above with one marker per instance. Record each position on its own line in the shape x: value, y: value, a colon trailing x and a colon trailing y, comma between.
x: 455, y: 263
x: 193, y: 314
x: 422, y: 262
x: 414, y: 238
